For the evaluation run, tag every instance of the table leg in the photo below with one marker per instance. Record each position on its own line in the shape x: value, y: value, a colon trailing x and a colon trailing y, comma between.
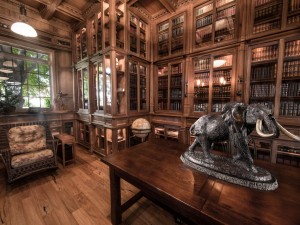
x: 63, y: 153
x: 115, y: 198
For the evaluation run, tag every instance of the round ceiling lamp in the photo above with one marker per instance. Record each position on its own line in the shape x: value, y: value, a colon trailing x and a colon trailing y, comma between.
x: 4, y: 70
x: 9, y: 63
x: 3, y: 78
x: 23, y: 28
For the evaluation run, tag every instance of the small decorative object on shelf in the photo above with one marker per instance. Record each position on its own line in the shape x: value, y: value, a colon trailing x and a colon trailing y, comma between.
x: 234, y: 125
x: 141, y: 127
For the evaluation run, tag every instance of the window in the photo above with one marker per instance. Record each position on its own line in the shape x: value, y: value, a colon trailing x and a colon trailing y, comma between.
x: 28, y: 73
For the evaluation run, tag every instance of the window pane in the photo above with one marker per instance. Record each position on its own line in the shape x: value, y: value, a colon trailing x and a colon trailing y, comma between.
x: 33, y: 79
x: 45, y: 102
x: 18, y: 51
x: 31, y: 67
x: 33, y: 91
x: 25, y: 92
x: 34, y: 102
x: 31, y: 54
x: 44, y: 91
x: 5, y: 48
x: 43, y: 56
x: 44, y: 69
x: 44, y: 80
x: 26, y: 103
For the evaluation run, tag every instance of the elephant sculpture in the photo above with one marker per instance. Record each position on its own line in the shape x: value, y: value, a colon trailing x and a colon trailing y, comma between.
x: 235, y: 123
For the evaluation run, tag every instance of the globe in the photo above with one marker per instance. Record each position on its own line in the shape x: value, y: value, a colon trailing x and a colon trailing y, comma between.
x: 141, y: 127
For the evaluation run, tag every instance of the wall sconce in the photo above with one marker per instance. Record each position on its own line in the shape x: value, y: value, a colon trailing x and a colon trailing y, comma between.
x: 108, y: 70
x: 239, y: 91
x: 222, y: 81
x: 22, y: 27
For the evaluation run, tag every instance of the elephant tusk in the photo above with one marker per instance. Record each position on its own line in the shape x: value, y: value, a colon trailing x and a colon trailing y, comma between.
x: 287, y: 133
x: 259, y: 131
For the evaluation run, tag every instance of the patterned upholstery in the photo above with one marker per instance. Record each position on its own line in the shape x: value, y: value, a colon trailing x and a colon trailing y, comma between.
x: 27, y: 148
x: 25, y: 139
x: 31, y: 157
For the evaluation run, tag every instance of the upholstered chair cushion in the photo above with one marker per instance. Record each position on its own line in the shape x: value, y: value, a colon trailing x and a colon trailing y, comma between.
x: 25, y: 139
x: 30, y: 157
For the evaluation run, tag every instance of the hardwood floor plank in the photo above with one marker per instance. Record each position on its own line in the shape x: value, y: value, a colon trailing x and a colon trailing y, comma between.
x: 73, y: 195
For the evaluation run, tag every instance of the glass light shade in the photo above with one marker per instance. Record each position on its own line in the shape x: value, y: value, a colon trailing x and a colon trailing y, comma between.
x: 23, y: 29
x: 3, y: 78
x: 9, y: 64
x: 4, y: 70
x: 219, y: 62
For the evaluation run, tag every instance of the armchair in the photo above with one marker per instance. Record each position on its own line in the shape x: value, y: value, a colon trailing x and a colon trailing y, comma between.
x: 27, y: 148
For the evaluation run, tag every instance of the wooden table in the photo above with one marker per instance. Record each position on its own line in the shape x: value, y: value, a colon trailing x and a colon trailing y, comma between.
x: 66, y: 139
x: 156, y: 169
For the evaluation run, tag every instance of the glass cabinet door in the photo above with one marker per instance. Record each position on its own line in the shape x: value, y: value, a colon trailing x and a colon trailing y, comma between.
x: 106, y: 22
x: 133, y: 77
x: 163, y: 91
x: 108, y: 84
x: 120, y: 23
x: 120, y: 78
x: 201, y: 83
x: 83, y: 88
x: 143, y: 88
x: 99, y: 85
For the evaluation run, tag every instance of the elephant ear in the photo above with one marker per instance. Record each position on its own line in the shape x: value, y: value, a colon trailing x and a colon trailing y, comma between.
x: 234, y: 112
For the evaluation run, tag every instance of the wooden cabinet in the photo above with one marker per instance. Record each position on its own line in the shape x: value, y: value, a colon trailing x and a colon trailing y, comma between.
x: 82, y: 77
x: 138, y: 85
x: 170, y: 78
x: 166, y: 132
x: 171, y: 36
x: 274, y: 76
x: 138, y: 34
x: 81, y: 44
x: 213, y: 81
x: 83, y: 133
x: 272, y: 16
x: 215, y: 22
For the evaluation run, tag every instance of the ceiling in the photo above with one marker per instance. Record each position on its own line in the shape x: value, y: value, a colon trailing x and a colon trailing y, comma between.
x: 74, y: 11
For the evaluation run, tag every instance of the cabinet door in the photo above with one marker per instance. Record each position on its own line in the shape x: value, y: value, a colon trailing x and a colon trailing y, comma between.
x: 121, y: 83
x: 222, y: 81
x: 263, y: 74
x: 267, y: 15
x: 99, y: 86
x: 83, y: 88
x: 163, y: 39
x: 203, y: 20
x: 176, y: 87
x: 202, y: 66
x: 108, y: 84
x: 290, y: 85
x: 133, y: 82
x: 163, y: 90
x: 143, y: 97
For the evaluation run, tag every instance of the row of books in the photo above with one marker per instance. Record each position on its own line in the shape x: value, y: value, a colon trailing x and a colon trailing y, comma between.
x: 178, y: 20
x: 217, y: 107
x: 261, y: 2
x: 204, y: 21
x: 267, y: 104
x: 132, y: 67
x: 133, y: 80
x: 177, y: 44
x: 176, y: 93
x: 163, y: 26
x: 175, y: 105
x: 267, y: 12
x: 176, y: 81
x: 177, y: 32
x: 264, y: 53
x: 289, y: 108
x: 293, y: 19
x: 204, y: 9
x: 226, y: 12
x: 226, y: 74
x: 291, y: 68
x: 266, y: 26
x: 226, y: 58
x: 202, y: 76
x: 133, y: 105
x: 162, y: 94
x: 220, y: 92
x: 162, y: 105
x: 133, y: 93
x: 201, y: 92
x: 223, y: 34
x: 163, y: 36
x: 290, y: 89
x: 292, y: 48
x: 201, y: 107
x: 294, y: 5
x: 266, y: 71
x: 202, y: 64
x: 262, y: 90
x: 176, y: 68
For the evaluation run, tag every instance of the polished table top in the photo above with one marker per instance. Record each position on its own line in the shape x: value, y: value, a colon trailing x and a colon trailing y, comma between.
x: 155, y: 167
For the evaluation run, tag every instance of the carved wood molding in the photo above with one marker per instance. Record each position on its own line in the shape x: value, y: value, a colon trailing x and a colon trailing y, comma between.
x: 48, y: 11
x: 168, y: 4
x: 70, y: 11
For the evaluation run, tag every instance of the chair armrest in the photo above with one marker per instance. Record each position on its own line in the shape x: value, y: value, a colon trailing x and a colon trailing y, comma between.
x: 6, y: 156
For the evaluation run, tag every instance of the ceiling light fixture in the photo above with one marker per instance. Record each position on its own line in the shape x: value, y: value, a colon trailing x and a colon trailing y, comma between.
x: 9, y: 63
x: 219, y: 62
x: 4, y: 70
x: 22, y: 27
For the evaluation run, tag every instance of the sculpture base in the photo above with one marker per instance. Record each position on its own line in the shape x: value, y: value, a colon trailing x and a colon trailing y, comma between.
x: 227, y: 169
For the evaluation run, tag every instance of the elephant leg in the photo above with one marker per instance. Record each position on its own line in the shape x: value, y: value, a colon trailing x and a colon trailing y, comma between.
x: 206, y: 146
x: 193, y: 145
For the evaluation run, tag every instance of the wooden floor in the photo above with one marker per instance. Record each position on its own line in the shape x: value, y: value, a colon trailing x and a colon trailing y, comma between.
x: 77, y: 194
